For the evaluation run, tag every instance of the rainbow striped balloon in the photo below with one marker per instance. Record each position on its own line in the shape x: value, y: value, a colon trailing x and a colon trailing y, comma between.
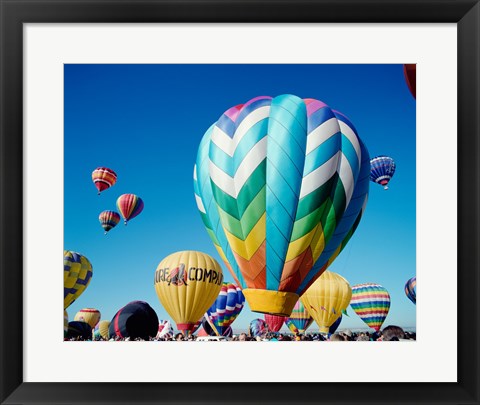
x: 108, y: 220
x: 129, y: 205
x: 371, y: 302
x: 411, y: 289
x: 226, y: 307
x: 281, y: 184
x: 300, y: 320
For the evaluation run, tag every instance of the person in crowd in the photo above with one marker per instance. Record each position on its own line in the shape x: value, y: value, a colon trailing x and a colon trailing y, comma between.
x: 336, y: 337
x: 393, y: 333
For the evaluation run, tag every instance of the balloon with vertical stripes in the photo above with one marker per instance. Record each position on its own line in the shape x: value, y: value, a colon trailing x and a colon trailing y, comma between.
x: 281, y: 184
x: 411, y: 289
x: 371, y: 302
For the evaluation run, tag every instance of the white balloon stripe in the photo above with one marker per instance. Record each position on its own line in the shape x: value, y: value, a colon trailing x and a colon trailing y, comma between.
x: 321, y: 134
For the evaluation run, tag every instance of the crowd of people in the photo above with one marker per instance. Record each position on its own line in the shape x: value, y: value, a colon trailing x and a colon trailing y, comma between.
x: 390, y: 333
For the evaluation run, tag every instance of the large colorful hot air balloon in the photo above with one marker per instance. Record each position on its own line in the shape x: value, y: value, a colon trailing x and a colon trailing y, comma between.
x: 274, y: 322
x: 79, y: 329
x: 226, y: 307
x: 411, y: 289
x: 129, y: 205
x: 279, y: 215
x: 103, y: 178
x: 300, y: 320
x: 187, y: 284
x: 77, y: 274
x: 137, y: 319
x: 101, y: 330
x: 89, y: 315
x: 258, y: 327
x: 371, y: 302
x: 410, y: 72
x: 382, y: 170
x: 109, y: 220
x: 325, y: 300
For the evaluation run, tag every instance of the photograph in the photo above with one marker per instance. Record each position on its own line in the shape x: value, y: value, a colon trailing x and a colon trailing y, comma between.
x: 240, y: 202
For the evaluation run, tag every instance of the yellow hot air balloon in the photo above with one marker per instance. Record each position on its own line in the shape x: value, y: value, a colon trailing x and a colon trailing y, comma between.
x: 89, y: 315
x: 102, y: 329
x: 77, y: 274
x: 65, y: 323
x: 187, y: 284
x: 326, y: 298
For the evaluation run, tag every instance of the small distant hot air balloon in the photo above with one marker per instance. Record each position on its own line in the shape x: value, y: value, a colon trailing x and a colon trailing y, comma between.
x: 299, y: 320
x: 89, y: 315
x: 136, y: 319
x: 281, y: 184
x: 226, y: 307
x: 411, y: 289
x: 79, y: 329
x: 274, y: 322
x: 109, y: 220
x: 382, y: 170
x: 187, y: 284
x: 410, y: 72
x: 327, y: 297
x: 103, y: 178
x: 101, y: 330
x: 371, y: 302
x: 77, y: 274
x: 129, y: 206
x: 258, y: 327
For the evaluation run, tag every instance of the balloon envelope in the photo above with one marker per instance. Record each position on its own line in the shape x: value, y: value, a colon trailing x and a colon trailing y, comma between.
x: 299, y: 320
x: 129, y: 205
x: 187, y: 284
x: 325, y: 300
x: 103, y: 178
x: 89, y: 315
x: 77, y: 274
x: 258, y: 327
x: 101, y: 330
x: 279, y: 215
x: 137, y: 319
x: 274, y: 322
x: 108, y: 220
x: 335, y: 326
x: 410, y: 72
x: 226, y: 307
x: 165, y: 329
x: 382, y: 170
x: 411, y: 289
x: 79, y: 329
x: 371, y: 302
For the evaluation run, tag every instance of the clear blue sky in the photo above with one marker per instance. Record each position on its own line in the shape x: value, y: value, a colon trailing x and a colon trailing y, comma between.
x: 146, y: 121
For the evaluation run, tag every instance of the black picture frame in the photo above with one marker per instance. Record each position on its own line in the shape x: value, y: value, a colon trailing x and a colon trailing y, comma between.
x: 14, y: 13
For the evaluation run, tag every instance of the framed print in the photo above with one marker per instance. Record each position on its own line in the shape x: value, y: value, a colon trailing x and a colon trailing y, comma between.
x: 247, y: 146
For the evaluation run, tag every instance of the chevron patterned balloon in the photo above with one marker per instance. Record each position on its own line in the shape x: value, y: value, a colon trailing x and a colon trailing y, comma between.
x: 281, y: 184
